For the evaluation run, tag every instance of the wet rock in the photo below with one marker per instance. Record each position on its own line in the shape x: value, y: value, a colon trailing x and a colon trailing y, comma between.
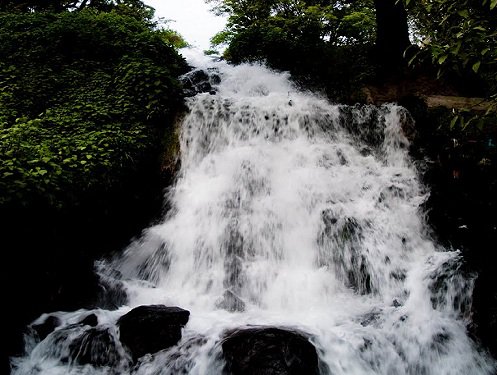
x: 148, y: 329
x: 269, y: 350
x: 97, y: 347
x: 181, y: 360
x: 196, y: 82
x: 90, y: 320
x: 112, y: 293
x: 47, y: 327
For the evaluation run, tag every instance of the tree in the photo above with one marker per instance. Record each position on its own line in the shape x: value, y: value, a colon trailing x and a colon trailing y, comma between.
x: 336, y: 23
x: 136, y: 6
x: 460, y: 37
x: 304, y: 21
x: 392, y: 36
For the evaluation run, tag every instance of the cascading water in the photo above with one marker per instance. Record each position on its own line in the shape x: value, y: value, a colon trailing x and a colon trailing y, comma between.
x: 291, y: 212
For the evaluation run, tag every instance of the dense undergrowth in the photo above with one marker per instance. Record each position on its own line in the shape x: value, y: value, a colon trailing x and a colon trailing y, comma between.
x: 83, y: 98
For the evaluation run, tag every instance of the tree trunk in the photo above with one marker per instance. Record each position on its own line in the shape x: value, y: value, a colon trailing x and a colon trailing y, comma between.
x: 392, y: 37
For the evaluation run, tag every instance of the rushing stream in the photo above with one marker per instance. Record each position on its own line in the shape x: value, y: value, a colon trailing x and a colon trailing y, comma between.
x: 292, y: 212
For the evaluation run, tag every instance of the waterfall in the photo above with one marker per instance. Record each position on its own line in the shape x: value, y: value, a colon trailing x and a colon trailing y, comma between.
x: 289, y: 211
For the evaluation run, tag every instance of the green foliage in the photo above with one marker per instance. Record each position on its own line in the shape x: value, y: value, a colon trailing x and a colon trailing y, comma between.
x: 133, y: 8
x: 41, y: 163
x: 310, y: 38
x: 337, y: 23
x: 84, y: 97
x: 173, y: 38
x: 460, y: 36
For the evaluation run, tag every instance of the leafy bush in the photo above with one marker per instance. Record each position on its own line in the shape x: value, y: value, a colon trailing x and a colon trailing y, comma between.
x: 84, y: 98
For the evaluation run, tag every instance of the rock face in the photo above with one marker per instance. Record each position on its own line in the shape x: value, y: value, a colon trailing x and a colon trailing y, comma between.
x: 148, y: 329
x: 269, y: 351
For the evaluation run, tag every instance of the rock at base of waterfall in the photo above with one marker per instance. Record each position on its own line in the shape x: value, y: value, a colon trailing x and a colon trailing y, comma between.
x: 97, y: 347
x: 269, y: 350
x: 148, y: 329
x: 46, y: 327
x: 89, y: 320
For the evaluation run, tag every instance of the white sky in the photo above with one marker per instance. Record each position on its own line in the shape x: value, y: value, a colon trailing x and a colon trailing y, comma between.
x: 191, y: 18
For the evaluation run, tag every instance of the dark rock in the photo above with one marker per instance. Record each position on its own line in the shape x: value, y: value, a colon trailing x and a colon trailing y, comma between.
x: 97, y: 347
x: 196, y: 82
x: 47, y: 327
x: 269, y: 351
x: 148, y: 329
x: 90, y: 320
x: 198, y: 76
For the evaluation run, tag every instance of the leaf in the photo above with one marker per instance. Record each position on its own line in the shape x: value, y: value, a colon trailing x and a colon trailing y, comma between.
x: 476, y: 66
x: 442, y: 59
x: 467, y: 123
x: 464, y: 13
x: 453, y: 122
x: 493, y: 4
x: 412, y: 60
x: 458, y: 48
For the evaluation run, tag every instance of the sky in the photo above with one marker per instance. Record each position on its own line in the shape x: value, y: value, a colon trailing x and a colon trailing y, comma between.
x: 191, y: 18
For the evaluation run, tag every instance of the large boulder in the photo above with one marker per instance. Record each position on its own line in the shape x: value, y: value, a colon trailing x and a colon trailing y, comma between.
x: 148, y: 329
x: 269, y: 351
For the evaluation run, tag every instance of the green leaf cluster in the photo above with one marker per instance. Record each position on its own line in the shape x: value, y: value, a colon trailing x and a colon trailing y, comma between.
x: 84, y: 99
x: 460, y: 37
x: 305, y: 21
x: 321, y: 43
x: 458, y: 34
x: 133, y: 8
